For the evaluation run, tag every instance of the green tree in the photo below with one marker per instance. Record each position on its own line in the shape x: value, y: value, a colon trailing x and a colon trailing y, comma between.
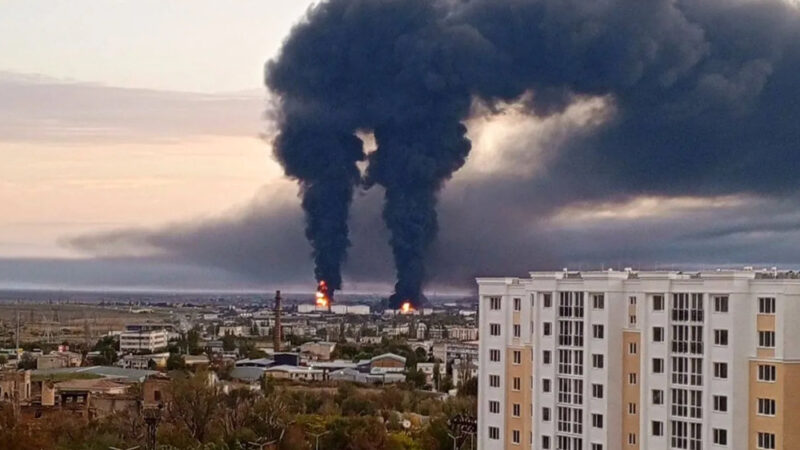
x: 194, y: 404
x: 416, y: 377
x: 176, y: 362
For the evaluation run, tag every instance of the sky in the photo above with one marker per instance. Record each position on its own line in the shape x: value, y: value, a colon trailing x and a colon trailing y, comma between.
x: 135, y: 140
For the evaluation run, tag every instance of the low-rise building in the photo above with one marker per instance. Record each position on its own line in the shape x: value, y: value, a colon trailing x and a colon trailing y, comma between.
x: 318, y: 350
x: 461, y: 333
x: 294, y: 373
x: 57, y: 360
x: 143, y: 338
x: 429, y: 369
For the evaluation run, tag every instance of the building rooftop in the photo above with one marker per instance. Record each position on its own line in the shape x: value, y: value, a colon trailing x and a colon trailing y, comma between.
x: 111, y: 372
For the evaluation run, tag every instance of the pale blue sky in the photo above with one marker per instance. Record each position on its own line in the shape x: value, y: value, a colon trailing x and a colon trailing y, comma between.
x: 187, y: 45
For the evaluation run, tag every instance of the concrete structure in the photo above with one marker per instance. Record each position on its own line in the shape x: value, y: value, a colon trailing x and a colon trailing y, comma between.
x: 144, y: 362
x: 58, y: 360
x: 640, y: 360
x: 143, y: 338
x: 295, y: 373
x: 449, y: 351
x: 318, y: 350
x: 460, y: 333
x: 361, y: 310
x: 429, y: 368
x: 15, y: 386
x: 233, y: 330
x: 385, y: 363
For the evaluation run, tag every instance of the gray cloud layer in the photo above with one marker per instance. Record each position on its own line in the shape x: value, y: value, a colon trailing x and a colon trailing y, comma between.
x: 36, y: 108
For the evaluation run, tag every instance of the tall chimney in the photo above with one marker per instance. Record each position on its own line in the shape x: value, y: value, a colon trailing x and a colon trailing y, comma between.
x: 276, y: 329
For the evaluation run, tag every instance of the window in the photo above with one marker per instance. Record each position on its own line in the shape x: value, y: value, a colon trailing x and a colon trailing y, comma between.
x: 597, y: 390
x: 632, y: 319
x: 631, y: 408
x: 517, y: 304
x: 720, y: 403
x: 632, y: 438
x: 766, y: 441
x: 546, y: 356
x: 546, y: 443
x: 546, y: 414
x: 632, y: 378
x: 548, y: 300
x: 597, y: 420
x: 721, y: 370
x: 547, y: 328
x: 766, y: 339
x: 766, y: 305
x: 515, y: 436
x: 766, y: 372
x: 658, y: 303
x: 658, y: 428
x: 494, y: 355
x: 766, y: 406
x: 658, y: 334
x: 632, y: 300
x: 494, y: 380
x: 658, y: 397
x: 494, y: 303
x: 598, y: 331
x: 597, y: 446
x: 494, y: 329
x: 494, y: 433
x: 545, y: 385
x: 720, y: 436
x: 721, y: 337
x: 517, y: 357
x: 597, y: 361
x: 515, y: 410
x: 517, y: 383
x: 658, y: 365
x: 517, y: 330
x: 632, y: 348
x: 598, y: 301
x: 721, y: 304
x: 494, y: 407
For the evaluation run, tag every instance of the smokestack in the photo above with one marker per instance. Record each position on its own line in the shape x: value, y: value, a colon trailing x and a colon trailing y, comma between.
x: 276, y: 329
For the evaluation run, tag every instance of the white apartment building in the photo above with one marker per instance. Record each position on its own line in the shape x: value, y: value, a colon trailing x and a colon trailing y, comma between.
x: 640, y: 360
x: 143, y: 338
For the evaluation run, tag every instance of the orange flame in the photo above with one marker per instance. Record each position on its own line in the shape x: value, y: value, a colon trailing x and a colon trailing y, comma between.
x: 406, y: 308
x: 322, y: 295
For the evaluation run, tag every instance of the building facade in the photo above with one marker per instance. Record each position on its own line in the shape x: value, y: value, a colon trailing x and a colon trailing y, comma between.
x: 143, y: 338
x: 640, y: 360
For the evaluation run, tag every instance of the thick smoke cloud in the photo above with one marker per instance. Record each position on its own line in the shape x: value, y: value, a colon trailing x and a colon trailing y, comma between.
x: 705, y: 101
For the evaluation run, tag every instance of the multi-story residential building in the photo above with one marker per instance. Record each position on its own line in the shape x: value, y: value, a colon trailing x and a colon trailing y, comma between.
x: 143, y: 338
x: 461, y: 333
x: 640, y: 360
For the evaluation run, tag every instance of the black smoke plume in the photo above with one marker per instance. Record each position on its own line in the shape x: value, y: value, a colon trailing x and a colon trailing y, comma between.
x: 704, y: 95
